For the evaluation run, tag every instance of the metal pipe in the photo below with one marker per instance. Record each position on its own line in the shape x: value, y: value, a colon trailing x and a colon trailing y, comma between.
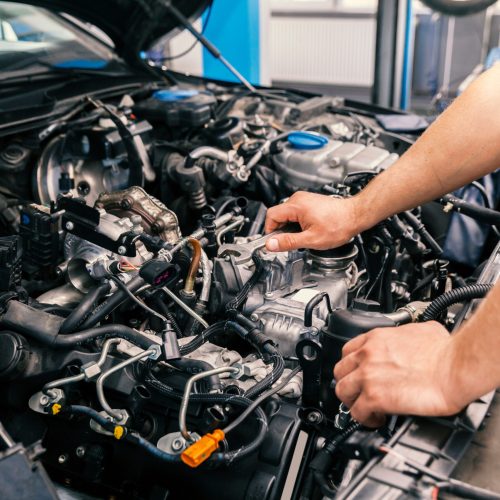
x: 206, y: 272
x: 240, y: 220
x: 117, y: 415
x: 210, y: 152
x: 5, y: 437
x: 81, y: 376
x: 187, y: 393
x: 193, y: 268
x: 186, y: 308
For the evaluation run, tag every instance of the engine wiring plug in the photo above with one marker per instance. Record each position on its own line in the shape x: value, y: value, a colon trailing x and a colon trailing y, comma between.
x: 362, y: 445
x: 202, y: 450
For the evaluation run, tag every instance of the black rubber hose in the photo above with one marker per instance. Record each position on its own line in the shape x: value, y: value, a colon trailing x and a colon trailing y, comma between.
x: 108, y: 306
x: 323, y: 460
x: 469, y: 292
x: 84, y: 308
x: 481, y: 214
x: 222, y: 399
x: 419, y: 227
x: 312, y: 304
x: 45, y: 327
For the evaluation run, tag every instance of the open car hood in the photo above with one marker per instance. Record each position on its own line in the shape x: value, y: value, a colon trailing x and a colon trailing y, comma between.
x: 132, y: 25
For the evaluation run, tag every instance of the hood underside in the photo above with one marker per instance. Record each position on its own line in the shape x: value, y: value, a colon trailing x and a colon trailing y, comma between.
x: 132, y: 25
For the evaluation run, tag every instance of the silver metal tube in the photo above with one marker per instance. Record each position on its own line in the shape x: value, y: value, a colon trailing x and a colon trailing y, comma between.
x: 186, y: 308
x: 206, y: 272
x: 81, y: 376
x: 218, y: 154
x: 198, y: 234
x: 187, y: 393
x: 240, y: 220
x: 100, y: 381
x: 5, y: 437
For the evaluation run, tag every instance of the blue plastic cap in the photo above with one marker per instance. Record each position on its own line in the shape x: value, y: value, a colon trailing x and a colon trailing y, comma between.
x: 306, y: 140
x: 174, y: 95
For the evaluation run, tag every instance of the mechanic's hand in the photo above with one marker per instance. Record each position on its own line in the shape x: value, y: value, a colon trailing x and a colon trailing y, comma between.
x: 326, y: 222
x: 404, y: 370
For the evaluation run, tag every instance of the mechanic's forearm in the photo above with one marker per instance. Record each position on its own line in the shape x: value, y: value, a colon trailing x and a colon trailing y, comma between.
x: 476, y: 349
x: 462, y: 145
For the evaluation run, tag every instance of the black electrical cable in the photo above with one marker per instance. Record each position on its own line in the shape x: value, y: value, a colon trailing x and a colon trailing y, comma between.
x: 203, y: 337
x: 165, y: 311
x: 468, y: 292
x: 227, y: 457
x: 260, y: 268
x: 236, y: 422
x: 127, y: 436
x: 84, y: 308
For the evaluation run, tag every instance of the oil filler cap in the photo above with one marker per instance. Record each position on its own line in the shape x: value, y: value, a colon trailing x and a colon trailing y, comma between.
x: 174, y: 95
x: 306, y: 140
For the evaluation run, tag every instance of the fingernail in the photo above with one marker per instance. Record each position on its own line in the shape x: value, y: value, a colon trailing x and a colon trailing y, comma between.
x: 273, y: 245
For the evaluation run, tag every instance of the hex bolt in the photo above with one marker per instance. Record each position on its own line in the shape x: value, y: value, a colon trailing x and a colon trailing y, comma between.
x: 62, y: 458
x: 122, y: 250
x: 314, y: 417
x: 70, y: 226
x: 80, y: 451
x: 254, y: 317
x: 177, y: 444
x: 44, y: 400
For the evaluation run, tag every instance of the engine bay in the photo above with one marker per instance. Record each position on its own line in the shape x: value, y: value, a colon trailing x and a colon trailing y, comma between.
x: 148, y: 340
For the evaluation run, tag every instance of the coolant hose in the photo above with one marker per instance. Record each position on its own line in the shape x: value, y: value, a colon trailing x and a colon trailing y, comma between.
x: 84, y: 308
x: 468, y: 292
x: 45, y: 328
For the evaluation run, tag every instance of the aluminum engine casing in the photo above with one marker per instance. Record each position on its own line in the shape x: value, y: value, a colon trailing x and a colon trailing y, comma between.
x: 313, y: 168
x: 291, y: 280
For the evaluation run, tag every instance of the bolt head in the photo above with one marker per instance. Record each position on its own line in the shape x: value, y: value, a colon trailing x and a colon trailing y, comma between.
x: 122, y: 250
x: 62, y: 458
x: 69, y: 226
x: 80, y: 451
x: 177, y: 444
x: 44, y: 400
x: 313, y: 417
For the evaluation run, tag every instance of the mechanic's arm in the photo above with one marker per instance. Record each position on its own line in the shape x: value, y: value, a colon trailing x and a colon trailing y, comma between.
x: 463, y: 144
x: 421, y: 369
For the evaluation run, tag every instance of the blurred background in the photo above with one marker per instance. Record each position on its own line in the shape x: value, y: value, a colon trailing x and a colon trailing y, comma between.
x: 400, y: 54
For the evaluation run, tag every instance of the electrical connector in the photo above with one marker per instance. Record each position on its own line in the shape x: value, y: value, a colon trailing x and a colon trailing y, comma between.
x: 200, y: 451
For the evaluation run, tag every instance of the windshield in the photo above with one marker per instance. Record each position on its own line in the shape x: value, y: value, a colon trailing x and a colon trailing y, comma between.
x: 33, y: 38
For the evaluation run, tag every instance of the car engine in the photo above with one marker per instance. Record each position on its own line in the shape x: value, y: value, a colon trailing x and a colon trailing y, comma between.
x: 150, y: 347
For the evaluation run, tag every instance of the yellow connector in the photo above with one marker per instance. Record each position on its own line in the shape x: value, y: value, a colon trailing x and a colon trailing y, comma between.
x: 200, y: 451
x: 118, y: 432
x: 56, y: 408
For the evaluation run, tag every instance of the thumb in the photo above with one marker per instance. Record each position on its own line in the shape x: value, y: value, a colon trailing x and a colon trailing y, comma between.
x: 288, y: 241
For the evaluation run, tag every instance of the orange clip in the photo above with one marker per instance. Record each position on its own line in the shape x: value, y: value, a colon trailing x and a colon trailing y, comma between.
x: 200, y: 451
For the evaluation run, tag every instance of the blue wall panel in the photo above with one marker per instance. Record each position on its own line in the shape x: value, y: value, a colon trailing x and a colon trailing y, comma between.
x: 234, y: 29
